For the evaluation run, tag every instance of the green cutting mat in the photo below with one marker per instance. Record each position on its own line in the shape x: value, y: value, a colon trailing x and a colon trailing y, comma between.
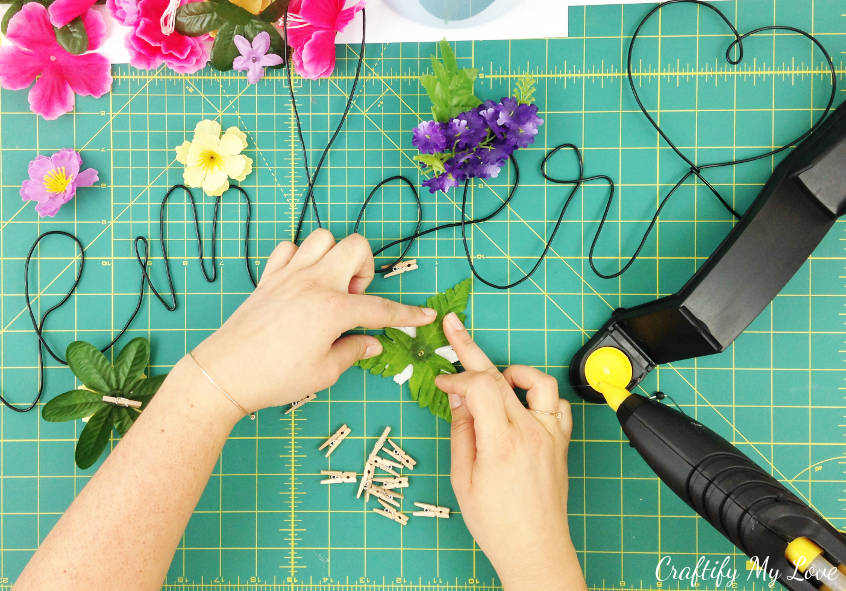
x: 777, y: 393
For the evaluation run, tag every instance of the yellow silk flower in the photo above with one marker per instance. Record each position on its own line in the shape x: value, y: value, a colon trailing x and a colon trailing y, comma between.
x: 211, y: 159
x: 253, y: 6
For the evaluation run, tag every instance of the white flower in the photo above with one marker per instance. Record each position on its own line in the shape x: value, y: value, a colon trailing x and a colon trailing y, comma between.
x: 211, y: 159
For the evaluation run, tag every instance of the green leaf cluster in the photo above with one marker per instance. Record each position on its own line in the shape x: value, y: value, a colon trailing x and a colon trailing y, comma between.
x: 72, y: 37
x: 228, y: 20
x: 400, y: 350
x: 525, y: 91
x: 434, y: 162
x: 125, y: 378
x: 449, y: 87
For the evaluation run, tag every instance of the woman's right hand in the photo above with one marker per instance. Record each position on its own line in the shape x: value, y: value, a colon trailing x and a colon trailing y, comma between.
x: 509, y: 467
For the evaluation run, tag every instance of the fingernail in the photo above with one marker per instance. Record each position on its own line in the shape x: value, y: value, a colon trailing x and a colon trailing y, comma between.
x: 454, y: 400
x: 431, y: 313
x: 373, y: 349
x: 454, y: 321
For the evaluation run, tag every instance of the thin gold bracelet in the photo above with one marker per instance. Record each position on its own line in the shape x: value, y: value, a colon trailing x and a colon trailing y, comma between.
x: 215, y: 384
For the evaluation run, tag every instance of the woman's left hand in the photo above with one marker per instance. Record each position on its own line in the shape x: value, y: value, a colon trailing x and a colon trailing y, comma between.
x: 285, y: 341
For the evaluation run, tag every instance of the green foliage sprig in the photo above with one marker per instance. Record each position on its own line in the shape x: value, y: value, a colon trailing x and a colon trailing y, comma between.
x: 227, y: 19
x: 450, y: 88
x: 124, y: 379
x: 72, y: 36
x: 400, y: 350
x: 525, y: 92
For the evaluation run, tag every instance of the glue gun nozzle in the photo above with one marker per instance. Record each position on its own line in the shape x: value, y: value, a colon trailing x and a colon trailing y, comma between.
x: 614, y: 395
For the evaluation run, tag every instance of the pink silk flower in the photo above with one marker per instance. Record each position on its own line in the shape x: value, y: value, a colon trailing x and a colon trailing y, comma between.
x: 34, y: 55
x: 312, y: 27
x: 64, y: 11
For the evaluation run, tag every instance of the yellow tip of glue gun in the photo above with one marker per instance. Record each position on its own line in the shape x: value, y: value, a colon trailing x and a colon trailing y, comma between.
x: 608, y: 371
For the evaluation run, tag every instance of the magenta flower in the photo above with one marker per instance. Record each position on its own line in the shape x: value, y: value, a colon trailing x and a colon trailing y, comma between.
x: 254, y: 57
x: 149, y: 47
x: 312, y: 27
x: 53, y: 181
x: 64, y: 11
x: 34, y: 55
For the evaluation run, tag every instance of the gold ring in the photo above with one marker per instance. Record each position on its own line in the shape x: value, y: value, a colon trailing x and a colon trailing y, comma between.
x: 556, y: 414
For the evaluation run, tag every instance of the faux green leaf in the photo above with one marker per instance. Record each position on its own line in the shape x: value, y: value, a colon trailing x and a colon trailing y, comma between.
x: 452, y: 300
x: 224, y: 51
x: 422, y: 385
x: 395, y: 355
x: 433, y: 161
x: 72, y: 405
x: 525, y: 92
x: 94, y: 437
x: 91, y: 367
x: 73, y: 36
x: 233, y: 14
x: 123, y: 419
x: 400, y: 350
x: 198, y: 18
x: 14, y: 8
x: 450, y: 89
x: 132, y: 361
x: 123, y: 379
x: 146, y: 389
x: 274, y: 11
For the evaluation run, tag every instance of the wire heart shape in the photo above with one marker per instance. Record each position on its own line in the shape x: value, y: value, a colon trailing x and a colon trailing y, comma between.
x: 734, y: 61
x: 696, y: 170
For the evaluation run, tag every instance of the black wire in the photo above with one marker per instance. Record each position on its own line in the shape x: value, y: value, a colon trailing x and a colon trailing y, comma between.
x: 210, y: 276
x: 313, y: 179
x: 409, y: 240
x: 38, y: 324
x: 170, y: 303
x: 143, y: 261
x: 694, y: 170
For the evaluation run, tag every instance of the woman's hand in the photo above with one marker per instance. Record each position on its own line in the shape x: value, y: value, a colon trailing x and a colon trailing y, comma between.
x: 284, y: 342
x: 509, y: 467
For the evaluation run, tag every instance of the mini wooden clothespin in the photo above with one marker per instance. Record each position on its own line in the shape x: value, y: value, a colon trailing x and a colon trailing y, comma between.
x: 295, y: 405
x: 335, y: 440
x: 431, y: 511
x: 391, y: 482
x: 386, y: 465
x: 337, y: 477
x: 370, y: 465
x: 120, y: 401
x: 391, y: 513
x: 400, y: 455
x: 380, y: 443
x: 382, y: 464
x: 402, y: 267
x: 366, y: 479
x: 389, y: 496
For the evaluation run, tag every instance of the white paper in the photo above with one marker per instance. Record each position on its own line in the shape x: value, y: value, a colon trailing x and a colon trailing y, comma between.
x: 515, y: 19
x: 505, y: 19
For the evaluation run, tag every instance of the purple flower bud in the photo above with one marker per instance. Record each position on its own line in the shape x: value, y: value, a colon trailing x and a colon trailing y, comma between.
x: 429, y: 137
